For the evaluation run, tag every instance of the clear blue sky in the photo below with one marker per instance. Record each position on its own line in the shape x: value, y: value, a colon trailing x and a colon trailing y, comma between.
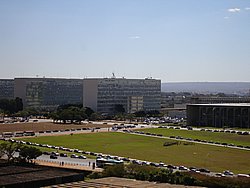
x: 173, y: 40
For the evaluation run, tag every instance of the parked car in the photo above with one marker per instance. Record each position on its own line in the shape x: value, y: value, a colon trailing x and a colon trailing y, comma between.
x: 74, y: 156
x: 228, y: 173
x: 204, y: 170
x: 183, y: 168
x: 243, y: 175
x: 220, y: 174
x: 55, y: 153
x: 171, y: 166
x: 63, y: 155
x: 82, y: 157
x: 53, y: 156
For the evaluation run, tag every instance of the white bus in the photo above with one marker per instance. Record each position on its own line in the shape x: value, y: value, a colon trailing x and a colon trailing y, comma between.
x: 29, y: 133
x: 7, y: 134
x: 19, y: 134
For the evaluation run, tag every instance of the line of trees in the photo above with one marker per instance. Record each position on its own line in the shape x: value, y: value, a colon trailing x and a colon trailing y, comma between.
x: 145, y: 173
x: 11, y: 106
x: 73, y: 114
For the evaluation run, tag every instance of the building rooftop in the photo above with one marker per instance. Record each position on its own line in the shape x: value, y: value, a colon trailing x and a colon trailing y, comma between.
x: 224, y: 104
x: 119, y: 78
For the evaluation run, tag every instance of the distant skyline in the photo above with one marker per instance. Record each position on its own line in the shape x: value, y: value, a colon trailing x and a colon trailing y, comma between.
x: 171, y: 40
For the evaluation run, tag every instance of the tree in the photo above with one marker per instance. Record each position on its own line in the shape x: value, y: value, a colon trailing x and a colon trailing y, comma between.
x: 2, y: 114
x: 54, y: 116
x: 114, y: 171
x: 2, y: 152
x: 66, y: 106
x: 19, y: 104
x: 23, y: 113
x: 64, y: 115
x: 130, y: 117
x: 83, y: 114
x: 4, y: 106
x: 88, y: 111
x: 140, y: 113
x: 33, y: 111
x: 76, y: 114
x: 120, y: 117
x: 72, y: 113
x: 153, y: 113
x: 94, y: 117
x: 28, y: 153
x: 11, y: 106
x: 9, y: 149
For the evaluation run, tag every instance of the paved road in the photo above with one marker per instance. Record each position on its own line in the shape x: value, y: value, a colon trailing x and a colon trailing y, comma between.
x: 84, y: 162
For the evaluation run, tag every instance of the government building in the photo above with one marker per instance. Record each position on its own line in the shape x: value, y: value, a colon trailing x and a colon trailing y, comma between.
x: 6, y: 88
x: 219, y: 115
x: 103, y: 94
x: 48, y: 93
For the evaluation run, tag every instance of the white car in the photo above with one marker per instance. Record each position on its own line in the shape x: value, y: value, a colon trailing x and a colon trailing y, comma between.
x: 228, y: 173
x: 82, y: 157
x: 183, y: 168
x: 243, y: 175
x: 220, y: 174
x: 74, y: 156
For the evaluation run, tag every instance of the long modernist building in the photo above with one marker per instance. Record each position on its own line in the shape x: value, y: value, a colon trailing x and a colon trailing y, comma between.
x: 215, y: 100
x: 48, y: 93
x: 219, y: 115
x: 6, y: 88
x: 103, y: 94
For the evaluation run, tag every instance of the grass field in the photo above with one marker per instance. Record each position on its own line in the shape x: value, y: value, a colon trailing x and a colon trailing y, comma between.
x: 152, y: 149
x: 236, y: 139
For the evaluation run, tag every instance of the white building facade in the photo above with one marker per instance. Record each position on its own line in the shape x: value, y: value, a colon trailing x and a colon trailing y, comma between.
x: 103, y: 94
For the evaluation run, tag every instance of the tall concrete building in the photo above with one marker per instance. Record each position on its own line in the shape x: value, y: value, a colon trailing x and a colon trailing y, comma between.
x: 6, y: 88
x: 48, y: 93
x: 103, y: 94
x: 219, y: 115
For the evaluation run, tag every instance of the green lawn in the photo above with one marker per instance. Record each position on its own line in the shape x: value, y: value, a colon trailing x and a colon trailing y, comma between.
x: 236, y: 139
x: 148, y: 148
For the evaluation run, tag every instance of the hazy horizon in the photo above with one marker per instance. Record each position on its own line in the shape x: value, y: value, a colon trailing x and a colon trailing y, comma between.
x: 175, y: 41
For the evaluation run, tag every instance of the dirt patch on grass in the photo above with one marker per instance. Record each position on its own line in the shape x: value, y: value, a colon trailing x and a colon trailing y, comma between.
x: 43, y: 126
